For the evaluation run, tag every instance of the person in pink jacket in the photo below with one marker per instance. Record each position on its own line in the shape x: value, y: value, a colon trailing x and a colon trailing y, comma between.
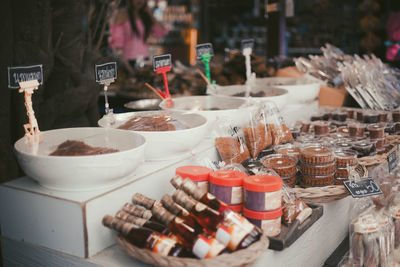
x: 130, y: 29
x: 393, y: 32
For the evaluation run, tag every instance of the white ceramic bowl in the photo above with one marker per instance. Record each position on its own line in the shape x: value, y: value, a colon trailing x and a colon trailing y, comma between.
x: 301, y: 90
x: 233, y: 109
x: 166, y: 144
x: 278, y: 95
x: 81, y: 173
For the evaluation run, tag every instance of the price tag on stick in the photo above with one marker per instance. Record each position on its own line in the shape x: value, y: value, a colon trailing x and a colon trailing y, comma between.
x: 247, y: 48
x: 363, y: 188
x: 392, y: 160
x: 161, y: 65
x: 204, y: 53
x: 27, y: 79
x: 105, y: 74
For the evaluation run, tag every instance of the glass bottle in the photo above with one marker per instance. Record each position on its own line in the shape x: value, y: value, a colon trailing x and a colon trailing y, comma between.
x: 145, y: 238
x: 158, y: 227
x: 202, y: 246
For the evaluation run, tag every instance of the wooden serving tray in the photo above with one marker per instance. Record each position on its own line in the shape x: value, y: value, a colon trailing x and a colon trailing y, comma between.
x: 283, y: 240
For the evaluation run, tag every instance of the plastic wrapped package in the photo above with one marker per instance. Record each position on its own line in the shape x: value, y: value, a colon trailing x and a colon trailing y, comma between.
x: 230, y: 143
x: 291, y: 205
x: 381, y: 176
x: 279, y: 130
x: 257, y: 134
x: 386, y: 238
x: 153, y: 122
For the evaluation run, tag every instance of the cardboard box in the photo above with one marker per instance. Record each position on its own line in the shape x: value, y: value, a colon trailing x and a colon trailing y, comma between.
x: 330, y: 96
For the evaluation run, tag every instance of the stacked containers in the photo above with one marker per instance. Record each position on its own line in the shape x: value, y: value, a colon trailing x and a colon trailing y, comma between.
x: 344, y: 159
x: 377, y: 136
x: 263, y: 202
x: 198, y: 174
x: 284, y: 165
x: 317, y: 165
x: 227, y: 186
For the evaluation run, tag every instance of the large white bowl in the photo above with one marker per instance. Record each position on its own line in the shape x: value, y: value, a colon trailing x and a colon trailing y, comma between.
x: 163, y: 145
x: 301, y: 90
x: 233, y: 109
x: 279, y: 96
x: 80, y: 173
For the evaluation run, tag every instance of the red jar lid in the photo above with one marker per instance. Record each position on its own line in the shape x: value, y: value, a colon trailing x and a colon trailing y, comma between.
x: 236, y: 208
x: 262, y: 215
x: 262, y: 183
x: 194, y: 173
x: 227, y: 177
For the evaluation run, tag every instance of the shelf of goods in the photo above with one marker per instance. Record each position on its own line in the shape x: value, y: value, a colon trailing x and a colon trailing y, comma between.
x: 46, y: 227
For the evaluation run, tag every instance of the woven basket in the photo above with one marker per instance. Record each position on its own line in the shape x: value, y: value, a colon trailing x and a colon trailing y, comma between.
x: 379, y: 159
x: 328, y: 193
x: 244, y: 257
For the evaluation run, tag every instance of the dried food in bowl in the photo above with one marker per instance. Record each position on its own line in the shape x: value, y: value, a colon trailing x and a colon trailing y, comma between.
x: 153, y: 123
x: 316, y: 155
x: 80, y: 173
x: 79, y: 148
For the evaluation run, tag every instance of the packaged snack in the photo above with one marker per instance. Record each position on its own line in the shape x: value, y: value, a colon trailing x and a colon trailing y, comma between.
x: 321, y: 128
x: 313, y: 154
x: 230, y: 143
x: 279, y: 130
x: 283, y: 164
x: 257, y: 134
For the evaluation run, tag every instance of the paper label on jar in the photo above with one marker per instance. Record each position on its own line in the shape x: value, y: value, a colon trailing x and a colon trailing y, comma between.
x: 271, y: 227
x: 203, y: 186
x: 207, y: 248
x: 272, y: 200
x: 164, y: 245
x: 237, y: 195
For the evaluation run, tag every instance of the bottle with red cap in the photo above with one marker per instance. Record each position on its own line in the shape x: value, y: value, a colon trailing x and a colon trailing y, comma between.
x: 198, y: 174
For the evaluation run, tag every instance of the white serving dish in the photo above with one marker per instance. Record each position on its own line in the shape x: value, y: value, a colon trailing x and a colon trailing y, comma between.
x: 301, y: 90
x: 279, y: 95
x: 233, y: 109
x: 81, y: 173
x: 163, y: 145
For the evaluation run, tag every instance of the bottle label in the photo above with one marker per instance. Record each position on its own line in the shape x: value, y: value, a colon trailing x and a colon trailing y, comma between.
x: 239, y: 221
x: 207, y: 248
x: 237, y: 195
x: 203, y: 186
x: 164, y: 245
x: 230, y: 234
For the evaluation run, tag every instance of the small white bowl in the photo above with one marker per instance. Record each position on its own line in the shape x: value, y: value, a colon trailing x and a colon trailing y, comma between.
x: 301, y: 90
x: 164, y: 145
x: 81, y: 173
x: 278, y: 95
x: 233, y: 109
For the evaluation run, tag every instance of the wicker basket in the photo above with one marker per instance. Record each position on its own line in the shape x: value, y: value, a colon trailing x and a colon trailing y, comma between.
x: 379, y: 159
x: 328, y: 193
x: 244, y: 257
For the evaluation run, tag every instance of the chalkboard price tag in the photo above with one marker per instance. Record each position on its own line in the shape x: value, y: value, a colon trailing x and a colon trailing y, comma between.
x: 106, y: 71
x: 24, y: 74
x: 363, y: 188
x: 392, y: 160
x: 247, y: 43
x: 203, y: 49
x: 162, y: 61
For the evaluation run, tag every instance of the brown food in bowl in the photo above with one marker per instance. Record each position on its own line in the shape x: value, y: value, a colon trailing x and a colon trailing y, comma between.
x: 158, y: 123
x: 79, y: 148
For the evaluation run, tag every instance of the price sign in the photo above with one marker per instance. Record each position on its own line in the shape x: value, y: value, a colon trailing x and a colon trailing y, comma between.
x: 247, y: 43
x: 162, y: 61
x: 106, y: 71
x: 204, y: 49
x: 24, y: 74
x: 363, y: 188
x: 392, y: 160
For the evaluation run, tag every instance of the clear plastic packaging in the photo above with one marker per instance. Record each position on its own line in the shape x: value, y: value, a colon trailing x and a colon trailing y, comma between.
x: 257, y: 134
x: 291, y: 206
x: 326, y: 169
x: 376, y: 131
x: 317, y: 180
x: 356, y: 129
x: 282, y: 164
x: 279, y: 130
x: 314, y: 154
x: 321, y: 128
x: 345, y: 158
x: 230, y: 143
x: 290, y: 150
